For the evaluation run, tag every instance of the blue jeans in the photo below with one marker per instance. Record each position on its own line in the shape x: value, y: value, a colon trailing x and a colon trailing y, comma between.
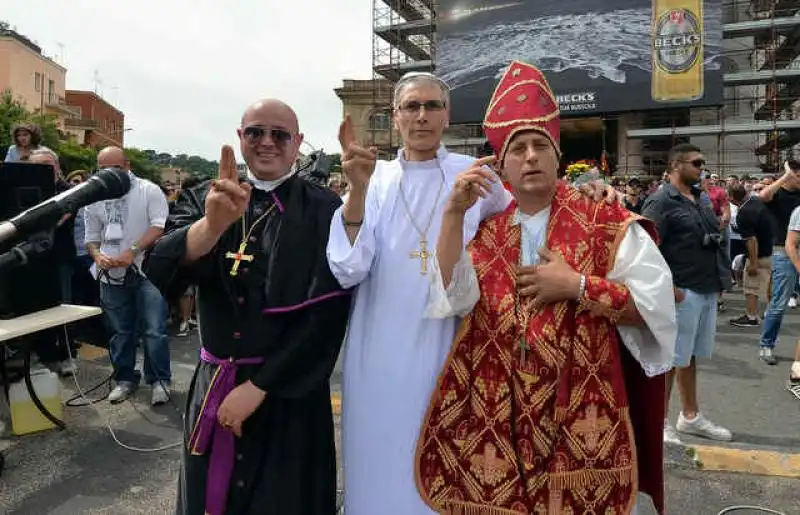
x: 128, y: 308
x: 784, y: 280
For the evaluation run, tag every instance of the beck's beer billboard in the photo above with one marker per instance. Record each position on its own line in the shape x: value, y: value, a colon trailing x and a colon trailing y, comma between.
x: 599, y: 56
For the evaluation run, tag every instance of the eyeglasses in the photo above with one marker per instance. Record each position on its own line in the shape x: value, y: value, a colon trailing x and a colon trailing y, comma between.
x: 255, y: 134
x: 413, y: 106
x: 697, y: 163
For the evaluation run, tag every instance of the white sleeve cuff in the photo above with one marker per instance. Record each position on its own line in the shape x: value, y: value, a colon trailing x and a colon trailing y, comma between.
x: 460, y: 296
x: 350, y: 263
x: 641, y: 267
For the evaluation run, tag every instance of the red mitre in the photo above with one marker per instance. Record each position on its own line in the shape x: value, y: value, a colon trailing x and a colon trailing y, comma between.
x: 523, y: 101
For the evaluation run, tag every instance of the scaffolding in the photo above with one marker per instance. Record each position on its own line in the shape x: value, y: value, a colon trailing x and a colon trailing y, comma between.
x: 403, y: 40
x: 751, y: 133
x: 758, y: 124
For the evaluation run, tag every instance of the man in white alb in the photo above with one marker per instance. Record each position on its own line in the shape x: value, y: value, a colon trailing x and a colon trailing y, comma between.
x: 382, y: 240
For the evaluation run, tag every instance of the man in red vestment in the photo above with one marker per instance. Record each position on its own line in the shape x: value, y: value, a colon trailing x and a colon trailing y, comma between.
x: 551, y: 400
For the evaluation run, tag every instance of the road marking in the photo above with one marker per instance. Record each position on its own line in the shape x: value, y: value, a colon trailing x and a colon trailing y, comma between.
x: 764, y: 463
x: 336, y: 403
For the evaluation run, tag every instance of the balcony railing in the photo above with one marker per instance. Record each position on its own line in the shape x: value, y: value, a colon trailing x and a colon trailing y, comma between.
x: 80, y: 123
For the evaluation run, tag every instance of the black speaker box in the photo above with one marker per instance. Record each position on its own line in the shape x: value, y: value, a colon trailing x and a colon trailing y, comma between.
x: 36, y: 285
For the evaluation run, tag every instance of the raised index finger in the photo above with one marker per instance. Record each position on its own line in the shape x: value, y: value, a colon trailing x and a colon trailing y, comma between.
x: 347, y: 135
x: 485, y: 161
x: 227, y: 164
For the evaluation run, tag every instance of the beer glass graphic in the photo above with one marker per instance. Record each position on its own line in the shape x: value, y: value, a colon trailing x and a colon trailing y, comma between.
x: 677, y: 50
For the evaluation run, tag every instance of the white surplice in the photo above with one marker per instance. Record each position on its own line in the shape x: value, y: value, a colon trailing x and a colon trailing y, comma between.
x: 638, y: 264
x: 393, y: 353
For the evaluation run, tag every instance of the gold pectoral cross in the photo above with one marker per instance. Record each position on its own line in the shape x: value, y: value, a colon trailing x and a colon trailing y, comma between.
x: 423, y: 255
x: 238, y: 257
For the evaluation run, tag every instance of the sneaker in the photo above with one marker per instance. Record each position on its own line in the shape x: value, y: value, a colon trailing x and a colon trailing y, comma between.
x: 670, y: 435
x: 767, y: 356
x: 183, y: 330
x: 721, y: 306
x: 701, y: 426
x: 793, y: 302
x: 745, y: 321
x: 160, y: 394
x: 121, y: 392
x: 793, y: 386
x: 193, y: 322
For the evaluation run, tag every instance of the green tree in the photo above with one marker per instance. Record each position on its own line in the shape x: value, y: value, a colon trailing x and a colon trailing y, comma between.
x: 75, y: 157
x: 142, y: 166
x: 12, y: 111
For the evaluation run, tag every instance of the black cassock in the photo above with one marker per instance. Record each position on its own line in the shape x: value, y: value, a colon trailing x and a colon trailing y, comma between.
x: 285, y: 462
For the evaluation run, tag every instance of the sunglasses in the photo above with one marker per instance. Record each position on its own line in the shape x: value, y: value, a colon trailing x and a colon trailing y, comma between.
x: 429, y: 105
x: 697, y: 163
x: 255, y: 134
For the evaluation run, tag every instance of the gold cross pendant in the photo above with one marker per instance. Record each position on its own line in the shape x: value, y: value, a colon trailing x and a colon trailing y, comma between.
x: 423, y: 255
x: 238, y: 257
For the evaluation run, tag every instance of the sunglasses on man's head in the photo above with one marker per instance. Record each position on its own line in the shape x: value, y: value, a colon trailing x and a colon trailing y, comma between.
x: 429, y: 105
x: 255, y: 134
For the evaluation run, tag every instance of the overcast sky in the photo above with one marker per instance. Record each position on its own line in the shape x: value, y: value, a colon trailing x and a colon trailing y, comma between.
x: 182, y: 71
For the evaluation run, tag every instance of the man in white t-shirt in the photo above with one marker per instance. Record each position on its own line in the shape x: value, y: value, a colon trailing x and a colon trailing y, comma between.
x: 117, y: 233
x: 792, y: 243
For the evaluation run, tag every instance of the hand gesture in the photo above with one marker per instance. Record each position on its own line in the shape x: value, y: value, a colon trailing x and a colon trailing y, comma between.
x: 103, y: 261
x: 553, y: 280
x: 471, y: 184
x: 227, y: 199
x: 358, y: 163
x: 598, y: 189
x: 238, y: 406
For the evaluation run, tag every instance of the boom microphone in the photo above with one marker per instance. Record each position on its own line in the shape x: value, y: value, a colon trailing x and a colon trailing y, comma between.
x: 108, y: 183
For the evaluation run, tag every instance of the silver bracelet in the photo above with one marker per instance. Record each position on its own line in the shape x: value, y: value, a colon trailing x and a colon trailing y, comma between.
x: 582, y: 289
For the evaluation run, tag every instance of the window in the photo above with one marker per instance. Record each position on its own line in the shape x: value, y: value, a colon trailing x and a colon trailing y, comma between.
x: 51, y: 92
x: 37, y: 81
x: 379, y: 121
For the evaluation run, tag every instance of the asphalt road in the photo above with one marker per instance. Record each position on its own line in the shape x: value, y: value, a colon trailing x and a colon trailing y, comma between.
x: 83, y: 471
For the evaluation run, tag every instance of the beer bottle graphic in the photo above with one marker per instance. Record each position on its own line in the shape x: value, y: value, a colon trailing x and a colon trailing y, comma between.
x: 677, y: 38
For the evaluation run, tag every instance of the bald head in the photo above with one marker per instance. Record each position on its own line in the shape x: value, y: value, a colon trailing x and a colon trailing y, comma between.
x: 269, y: 138
x: 111, y: 157
x: 273, y: 109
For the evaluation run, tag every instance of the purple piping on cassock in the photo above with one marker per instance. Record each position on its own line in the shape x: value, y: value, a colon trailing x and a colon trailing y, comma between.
x: 305, y: 304
x: 277, y: 201
x: 208, y: 431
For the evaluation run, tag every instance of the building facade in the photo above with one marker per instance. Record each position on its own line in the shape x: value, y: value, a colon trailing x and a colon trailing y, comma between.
x: 33, y: 78
x: 98, y: 123
x: 751, y: 133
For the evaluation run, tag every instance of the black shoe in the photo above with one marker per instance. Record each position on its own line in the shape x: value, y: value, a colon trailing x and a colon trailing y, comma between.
x: 745, y: 321
x: 721, y: 306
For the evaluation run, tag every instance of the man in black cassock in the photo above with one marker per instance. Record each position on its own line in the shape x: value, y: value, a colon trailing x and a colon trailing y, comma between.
x: 259, y: 425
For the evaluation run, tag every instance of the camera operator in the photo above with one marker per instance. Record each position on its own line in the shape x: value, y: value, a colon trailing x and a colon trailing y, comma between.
x: 691, y: 243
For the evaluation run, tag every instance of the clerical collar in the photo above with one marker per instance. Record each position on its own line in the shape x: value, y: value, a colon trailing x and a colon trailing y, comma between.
x: 441, y: 155
x: 269, y: 185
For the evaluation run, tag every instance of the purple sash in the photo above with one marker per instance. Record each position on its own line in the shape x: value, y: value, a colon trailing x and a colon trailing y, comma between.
x: 208, y: 432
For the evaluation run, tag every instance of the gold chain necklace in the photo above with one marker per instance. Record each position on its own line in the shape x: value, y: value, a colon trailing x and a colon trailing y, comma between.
x: 422, y: 254
x: 239, y: 255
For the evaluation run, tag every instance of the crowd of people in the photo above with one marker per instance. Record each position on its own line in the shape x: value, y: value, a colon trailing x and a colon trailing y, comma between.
x: 503, y: 329
x: 98, y: 251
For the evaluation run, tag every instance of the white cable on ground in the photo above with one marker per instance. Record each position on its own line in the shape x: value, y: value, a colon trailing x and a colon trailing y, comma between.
x: 740, y: 507
x: 107, y: 416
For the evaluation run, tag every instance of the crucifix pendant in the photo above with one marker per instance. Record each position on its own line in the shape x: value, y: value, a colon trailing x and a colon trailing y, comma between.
x: 523, y: 350
x: 423, y: 255
x: 238, y: 257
